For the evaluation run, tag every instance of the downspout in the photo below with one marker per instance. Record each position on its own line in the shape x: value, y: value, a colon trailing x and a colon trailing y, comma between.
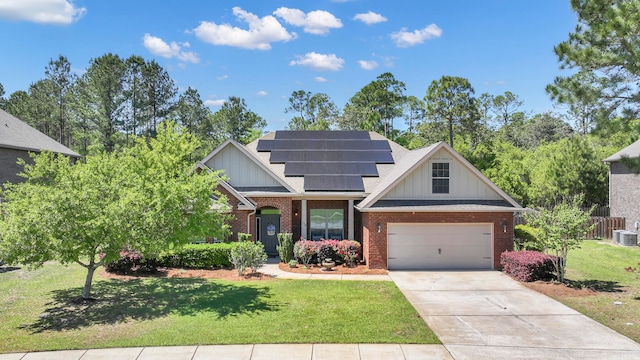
x: 249, y: 220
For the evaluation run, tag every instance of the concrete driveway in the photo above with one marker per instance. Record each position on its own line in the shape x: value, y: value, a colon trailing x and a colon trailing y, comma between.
x: 488, y: 315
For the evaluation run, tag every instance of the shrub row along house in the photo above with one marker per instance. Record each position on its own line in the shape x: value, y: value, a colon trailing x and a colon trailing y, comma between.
x: 422, y: 209
x: 17, y: 139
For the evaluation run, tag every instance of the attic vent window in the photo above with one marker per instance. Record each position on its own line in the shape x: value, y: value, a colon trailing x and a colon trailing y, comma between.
x: 440, y: 178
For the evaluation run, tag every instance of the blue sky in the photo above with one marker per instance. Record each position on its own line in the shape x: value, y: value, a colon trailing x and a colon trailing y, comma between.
x: 262, y: 51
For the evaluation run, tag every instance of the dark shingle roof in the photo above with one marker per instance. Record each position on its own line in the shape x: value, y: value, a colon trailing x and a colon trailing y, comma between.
x: 632, y: 151
x: 16, y: 134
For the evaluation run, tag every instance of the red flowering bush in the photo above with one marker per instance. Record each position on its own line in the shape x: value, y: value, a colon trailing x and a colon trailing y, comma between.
x: 327, y: 250
x: 527, y: 265
x: 349, y: 250
x: 131, y: 260
x: 304, y: 250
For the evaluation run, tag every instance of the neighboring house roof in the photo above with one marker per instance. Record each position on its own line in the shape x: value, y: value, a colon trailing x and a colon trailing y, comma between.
x: 16, y: 134
x: 367, y: 168
x: 632, y: 151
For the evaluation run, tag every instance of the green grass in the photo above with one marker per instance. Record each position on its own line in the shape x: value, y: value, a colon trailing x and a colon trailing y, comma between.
x: 170, y: 311
x: 601, y: 266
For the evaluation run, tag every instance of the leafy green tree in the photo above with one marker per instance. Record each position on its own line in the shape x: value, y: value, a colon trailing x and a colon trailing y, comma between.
x: 61, y: 80
x: 566, y: 169
x: 381, y: 100
x: 604, y: 49
x: 102, y: 97
x: 160, y: 92
x: 450, y: 100
x: 314, y: 111
x: 414, y: 112
x: 235, y: 121
x: 539, y: 129
x: 505, y: 106
x: 136, y: 97
x: 560, y: 230
x: 3, y: 101
x: 145, y: 198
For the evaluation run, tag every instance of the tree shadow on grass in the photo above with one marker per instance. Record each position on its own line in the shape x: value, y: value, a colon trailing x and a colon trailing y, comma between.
x: 4, y: 269
x: 119, y: 301
x: 596, y: 285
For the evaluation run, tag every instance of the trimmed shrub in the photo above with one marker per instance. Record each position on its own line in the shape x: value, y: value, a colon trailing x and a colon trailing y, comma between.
x: 285, y: 246
x: 247, y: 255
x: 304, y: 250
x: 244, y: 237
x: 130, y: 261
x: 527, y: 266
x: 198, y: 256
x: 349, y: 251
x: 526, y: 238
x: 327, y: 250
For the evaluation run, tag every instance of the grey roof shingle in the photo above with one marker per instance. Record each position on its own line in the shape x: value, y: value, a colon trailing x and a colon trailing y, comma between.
x: 16, y: 134
x: 632, y: 151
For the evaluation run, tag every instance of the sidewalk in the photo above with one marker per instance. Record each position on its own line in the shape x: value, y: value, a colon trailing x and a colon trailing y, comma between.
x: 248, y: 352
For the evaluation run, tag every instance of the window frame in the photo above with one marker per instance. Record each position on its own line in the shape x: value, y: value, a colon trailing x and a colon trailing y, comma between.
x: 433, y: 178
x: 326, y: 229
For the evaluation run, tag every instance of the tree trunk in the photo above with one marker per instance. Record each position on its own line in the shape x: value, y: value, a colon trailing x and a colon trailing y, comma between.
x: 451, y: 133
x: 87, y: 283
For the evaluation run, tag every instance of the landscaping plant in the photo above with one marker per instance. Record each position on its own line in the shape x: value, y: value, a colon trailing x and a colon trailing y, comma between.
x: 527, y: 266
x: 304, y: 250
x: 349, y: 250
x: 145, y: 197
x: 285, y: 246
x: 560, y: 230
x: 247, y: 255
x: 327, y: 250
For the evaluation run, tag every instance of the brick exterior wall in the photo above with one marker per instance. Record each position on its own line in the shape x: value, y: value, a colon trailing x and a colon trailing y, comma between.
x: 9, y: 169
x: 375, y: 243
x: 624, y: 194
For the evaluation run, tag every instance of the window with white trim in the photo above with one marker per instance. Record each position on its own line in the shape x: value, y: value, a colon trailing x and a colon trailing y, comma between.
x: 440, y: 178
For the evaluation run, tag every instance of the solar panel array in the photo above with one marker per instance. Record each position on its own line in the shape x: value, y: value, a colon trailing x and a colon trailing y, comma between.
x: 328, y: 160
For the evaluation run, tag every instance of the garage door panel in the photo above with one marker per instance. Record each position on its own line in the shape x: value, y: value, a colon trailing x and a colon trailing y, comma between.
x: 440, y: 246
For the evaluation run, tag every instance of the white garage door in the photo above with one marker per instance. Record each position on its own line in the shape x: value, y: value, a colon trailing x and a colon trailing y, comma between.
x: 439, y: 246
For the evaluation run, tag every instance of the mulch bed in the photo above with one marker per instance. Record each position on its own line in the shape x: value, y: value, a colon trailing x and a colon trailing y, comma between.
x: 557, y: 290
x: 340, y: 269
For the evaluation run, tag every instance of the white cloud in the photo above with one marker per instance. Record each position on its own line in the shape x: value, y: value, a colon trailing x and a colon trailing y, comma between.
x: 262, y: 93
x: 58, y: 12
x: 319, y: 62
x: 368, y: 64
x: 223, y: 77
x: 499, y: 82
x: 320, y: 79
x: 159, y: 47
x: 403, y: 38
x: 318, y: 22
x: 370, y: 18
x: 214, y: 103
x: 262, y: 32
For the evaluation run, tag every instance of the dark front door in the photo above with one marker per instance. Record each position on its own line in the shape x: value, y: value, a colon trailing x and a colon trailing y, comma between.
x: 269, y: 229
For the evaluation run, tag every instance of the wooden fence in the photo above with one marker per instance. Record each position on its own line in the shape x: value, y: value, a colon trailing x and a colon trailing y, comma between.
x: 603, y: 229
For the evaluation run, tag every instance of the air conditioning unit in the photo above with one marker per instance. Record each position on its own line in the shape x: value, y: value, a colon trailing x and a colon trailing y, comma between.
x: 628, y: 238
x: 616, y: 236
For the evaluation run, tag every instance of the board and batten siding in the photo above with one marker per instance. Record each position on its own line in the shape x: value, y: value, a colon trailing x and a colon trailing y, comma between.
x: 240, y: 170
x: 463, y: 184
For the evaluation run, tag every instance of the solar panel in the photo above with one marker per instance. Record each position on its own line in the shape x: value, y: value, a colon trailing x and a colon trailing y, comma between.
x: 333, y: 183
x: 314, y: 144
x: 377, y: 156
x: 322, y: 135
x: 299, y: 168
x: 265, y: 145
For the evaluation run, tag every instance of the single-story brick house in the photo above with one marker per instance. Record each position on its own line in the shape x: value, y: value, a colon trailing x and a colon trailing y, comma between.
x: 624, y: 187
x: 17, y: 140
x: 411, y: 209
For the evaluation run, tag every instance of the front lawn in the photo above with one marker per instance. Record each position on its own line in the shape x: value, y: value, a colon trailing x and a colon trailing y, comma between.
x: 39, y: 310
x: 601, y: 267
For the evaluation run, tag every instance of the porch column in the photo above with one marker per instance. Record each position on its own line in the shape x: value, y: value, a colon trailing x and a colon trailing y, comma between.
x: 352, y: 233
x: 303, y: 219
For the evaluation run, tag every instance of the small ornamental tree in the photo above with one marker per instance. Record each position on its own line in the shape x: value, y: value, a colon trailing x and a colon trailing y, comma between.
x: 145, y: 198
x: 560, y: 230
